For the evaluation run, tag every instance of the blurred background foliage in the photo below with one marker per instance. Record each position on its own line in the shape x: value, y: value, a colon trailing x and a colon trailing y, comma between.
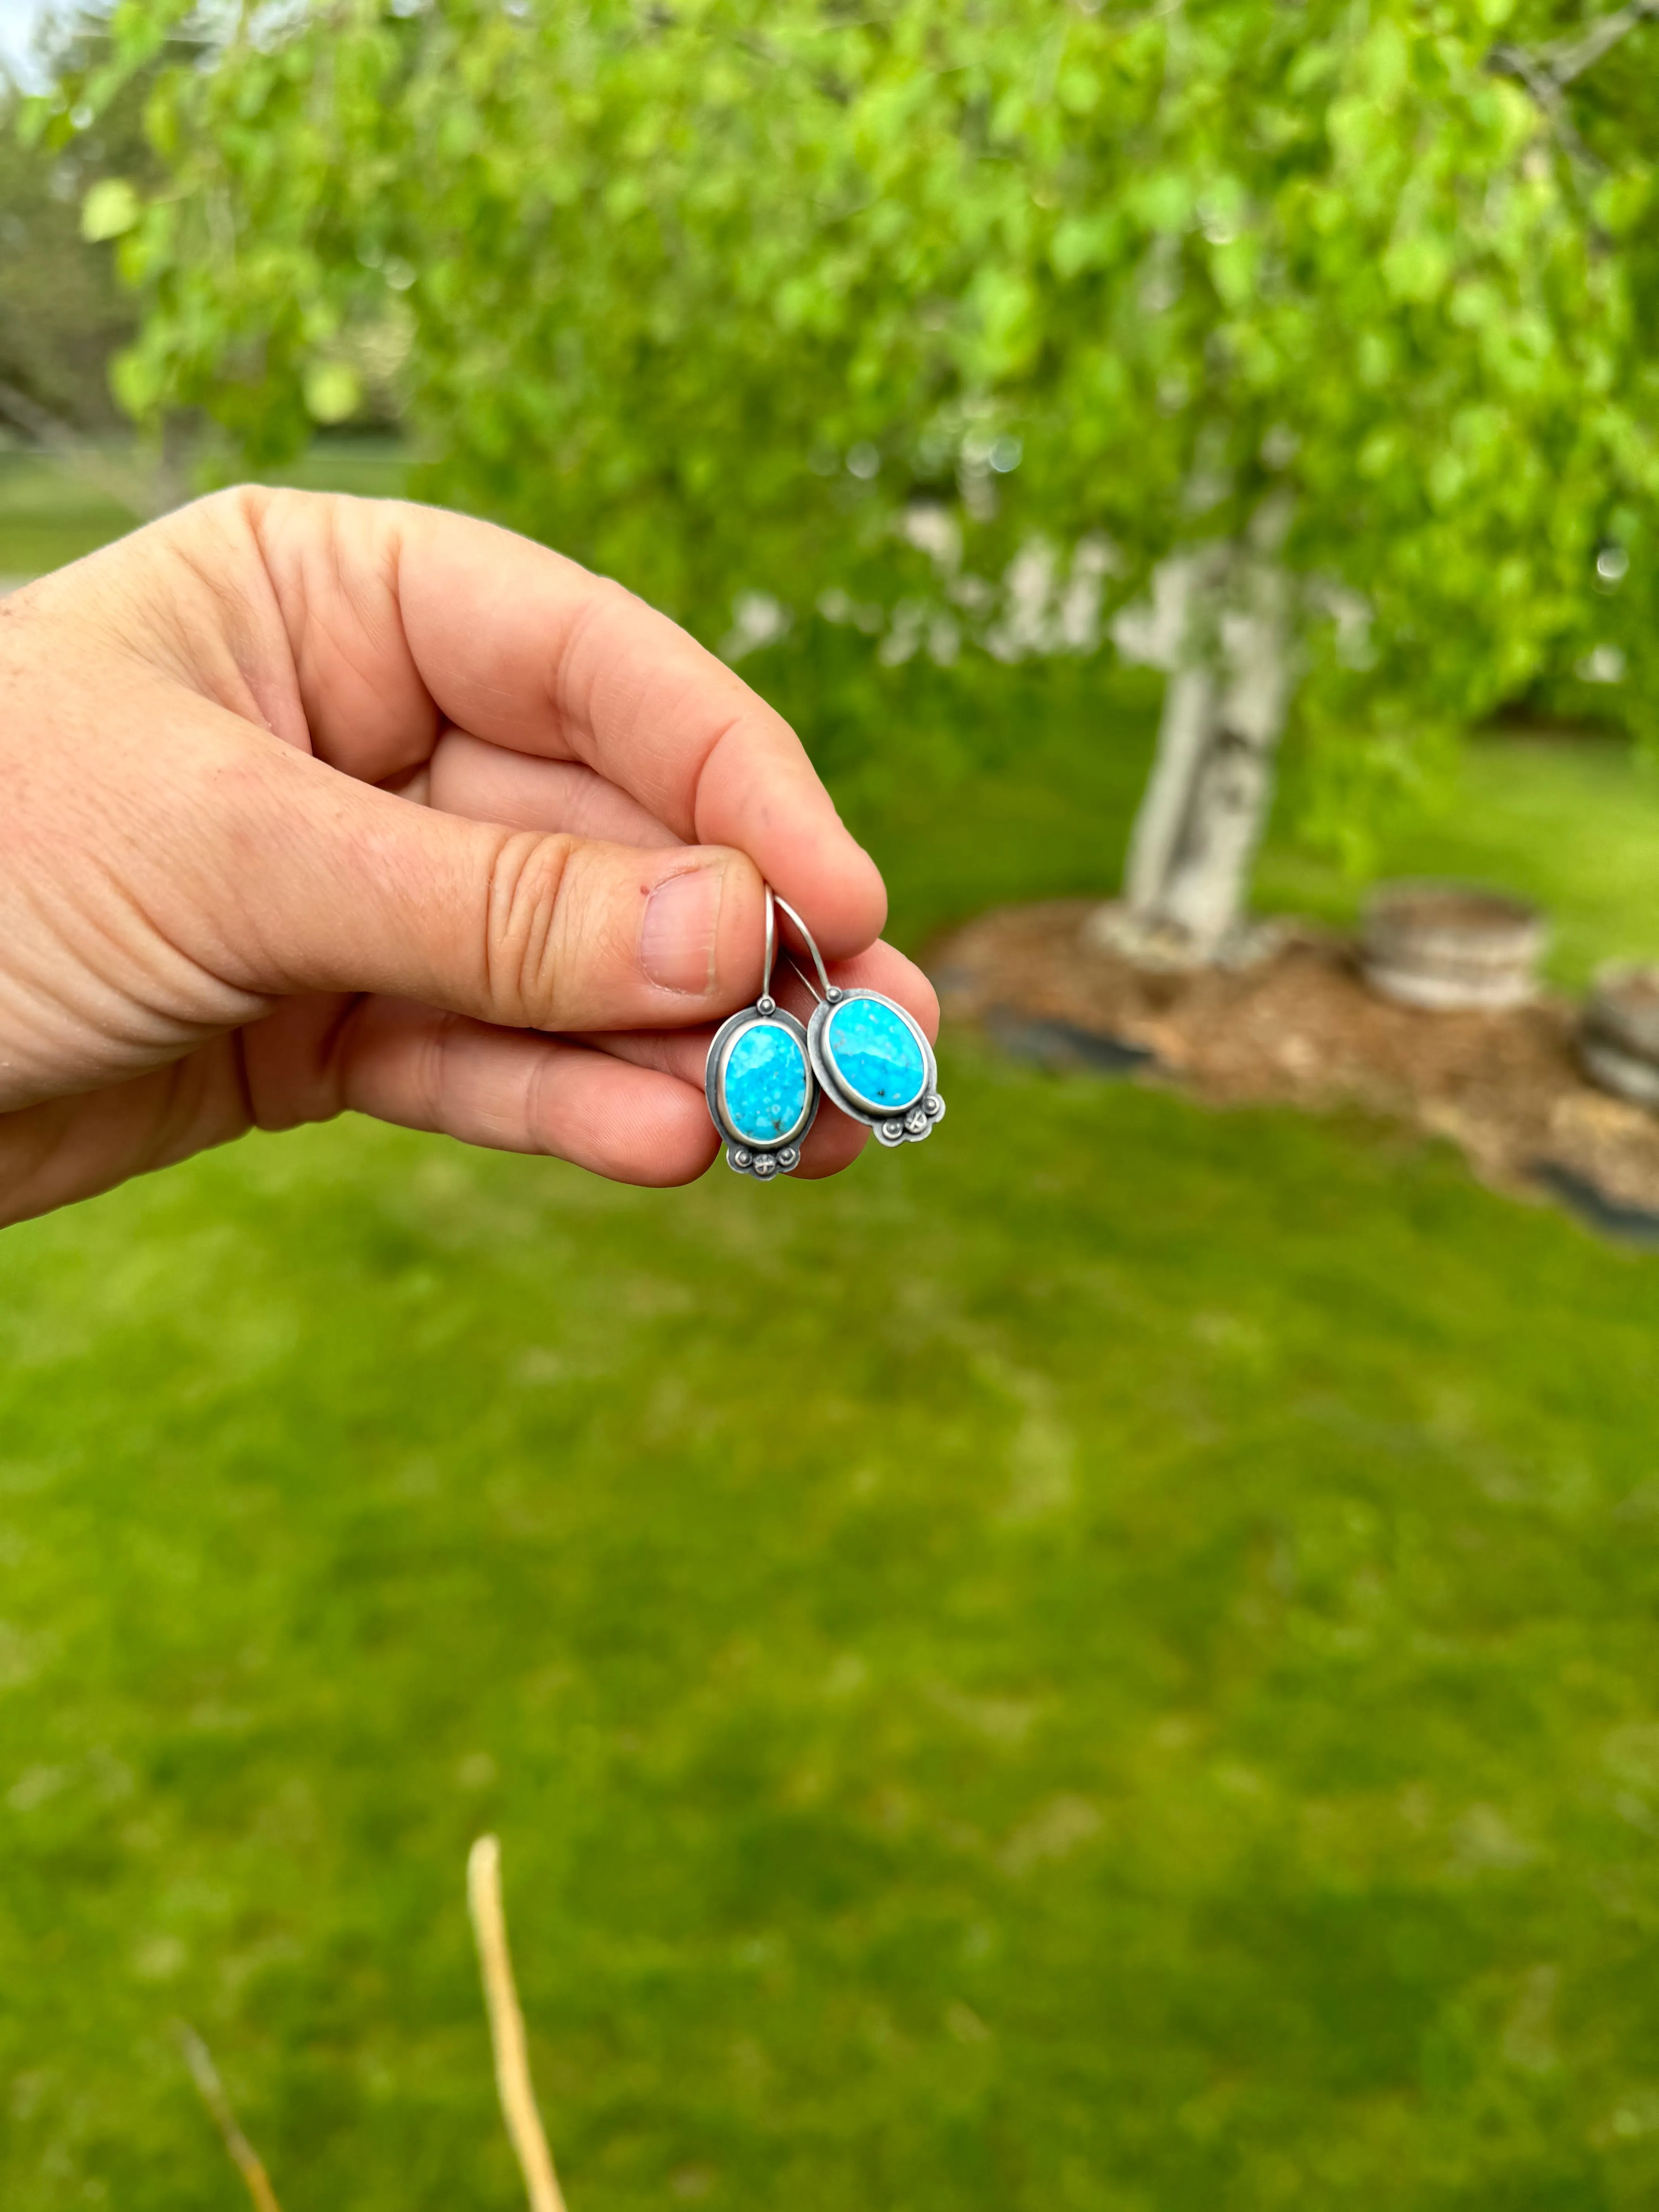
x: 951, y: 323
x: 1108, y: 1664
x: 62, y: 312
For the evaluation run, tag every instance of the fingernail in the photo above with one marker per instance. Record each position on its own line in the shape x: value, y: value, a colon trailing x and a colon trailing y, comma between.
x: 676, y: 936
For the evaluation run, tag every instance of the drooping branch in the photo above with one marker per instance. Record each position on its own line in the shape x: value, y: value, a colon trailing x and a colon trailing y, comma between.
x: 1569, y: 57
x: 144, y: 493
x: 1548, y: 72
x: 1536, y: 75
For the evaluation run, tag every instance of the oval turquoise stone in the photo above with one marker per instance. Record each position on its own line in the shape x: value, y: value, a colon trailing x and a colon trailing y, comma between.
x: 764, y: 1083
x: 875, y: 1056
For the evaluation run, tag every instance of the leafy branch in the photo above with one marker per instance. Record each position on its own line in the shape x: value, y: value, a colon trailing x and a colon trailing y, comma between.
x: 1568, y: 58
x: 1548, y: 72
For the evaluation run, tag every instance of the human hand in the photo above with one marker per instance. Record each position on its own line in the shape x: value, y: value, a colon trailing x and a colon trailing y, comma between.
x: 315, y: 803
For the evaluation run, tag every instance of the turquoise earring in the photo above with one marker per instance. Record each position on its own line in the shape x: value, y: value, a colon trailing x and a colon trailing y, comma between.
x: 870, y: 1057
x: 758, y: 1079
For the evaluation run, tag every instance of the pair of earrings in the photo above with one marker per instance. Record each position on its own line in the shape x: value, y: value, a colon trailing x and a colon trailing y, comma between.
x: 765, y: 1073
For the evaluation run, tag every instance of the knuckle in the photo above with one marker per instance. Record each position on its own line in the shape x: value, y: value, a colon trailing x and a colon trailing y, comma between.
x: 525, y: 929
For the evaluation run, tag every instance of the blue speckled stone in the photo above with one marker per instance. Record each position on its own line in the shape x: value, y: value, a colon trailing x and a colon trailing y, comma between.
x: 875, y: 1056
x: 765, y: 1084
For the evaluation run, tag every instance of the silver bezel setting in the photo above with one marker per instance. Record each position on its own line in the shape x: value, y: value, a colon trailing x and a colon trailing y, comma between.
x: 743, y: 1155
x: 917, y: 1122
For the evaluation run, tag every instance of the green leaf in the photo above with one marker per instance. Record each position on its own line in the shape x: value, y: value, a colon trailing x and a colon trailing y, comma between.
x: 109, y: 209
x: 1416, y: 267
x: 1081, y: 242
x: 137, y: 381
x: 333, y: 392
x: 1080, y: 89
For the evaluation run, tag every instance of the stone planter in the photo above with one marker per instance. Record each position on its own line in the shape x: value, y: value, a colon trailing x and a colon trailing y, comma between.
x: 1452, y: 947
x: 1619, y: 1034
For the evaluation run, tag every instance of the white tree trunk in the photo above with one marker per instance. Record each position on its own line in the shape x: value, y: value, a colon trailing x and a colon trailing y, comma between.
x: 1219, y: 623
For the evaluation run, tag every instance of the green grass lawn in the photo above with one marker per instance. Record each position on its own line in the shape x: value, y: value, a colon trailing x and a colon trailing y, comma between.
x: 1107, y: 1663
x: 48, y: 517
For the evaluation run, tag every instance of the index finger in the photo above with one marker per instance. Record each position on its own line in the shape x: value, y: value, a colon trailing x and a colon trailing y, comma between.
x: 401, y: 617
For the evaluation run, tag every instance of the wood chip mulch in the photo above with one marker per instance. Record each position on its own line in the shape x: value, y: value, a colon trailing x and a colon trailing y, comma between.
x: 1301, y: 1028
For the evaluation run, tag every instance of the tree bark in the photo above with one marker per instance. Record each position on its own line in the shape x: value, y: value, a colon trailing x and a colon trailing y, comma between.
x: 1220, y: 626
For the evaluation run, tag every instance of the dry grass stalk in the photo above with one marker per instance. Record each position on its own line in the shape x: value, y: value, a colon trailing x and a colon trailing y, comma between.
x: 524, y: 2123
x: 205, y: 2074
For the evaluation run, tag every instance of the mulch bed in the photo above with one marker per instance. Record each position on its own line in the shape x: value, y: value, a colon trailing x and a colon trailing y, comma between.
x: 1301, y: 1028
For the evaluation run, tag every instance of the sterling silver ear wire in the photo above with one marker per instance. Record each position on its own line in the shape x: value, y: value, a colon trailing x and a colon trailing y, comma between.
x: 758, y: 1079
x: 869, y: 1055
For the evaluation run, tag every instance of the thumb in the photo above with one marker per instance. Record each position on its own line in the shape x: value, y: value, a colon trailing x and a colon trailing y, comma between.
x: 344, y: 887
